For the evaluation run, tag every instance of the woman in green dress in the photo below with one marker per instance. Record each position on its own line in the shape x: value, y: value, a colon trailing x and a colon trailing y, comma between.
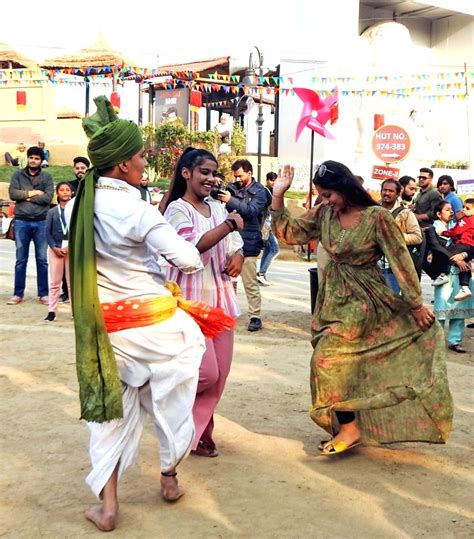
x: 378, y: 370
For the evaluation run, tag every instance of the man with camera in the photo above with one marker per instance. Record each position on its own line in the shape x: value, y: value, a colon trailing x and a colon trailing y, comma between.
x: 251, y: 200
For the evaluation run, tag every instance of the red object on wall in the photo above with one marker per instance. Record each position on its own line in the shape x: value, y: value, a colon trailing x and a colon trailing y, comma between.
x: 379, y: 121
x: 195, y: 99
x: 20, y: 99
x: 115, y: 100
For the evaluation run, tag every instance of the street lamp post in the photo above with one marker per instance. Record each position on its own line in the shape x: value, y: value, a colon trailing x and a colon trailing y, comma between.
x: 249, y: 73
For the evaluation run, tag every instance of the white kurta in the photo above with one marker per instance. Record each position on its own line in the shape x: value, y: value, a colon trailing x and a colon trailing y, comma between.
x: 158, y: 364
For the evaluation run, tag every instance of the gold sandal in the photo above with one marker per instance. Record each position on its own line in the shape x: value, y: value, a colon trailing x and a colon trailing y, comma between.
x: 334, y: 448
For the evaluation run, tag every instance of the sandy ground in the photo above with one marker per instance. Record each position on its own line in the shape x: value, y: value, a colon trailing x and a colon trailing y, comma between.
x: 268, y: 481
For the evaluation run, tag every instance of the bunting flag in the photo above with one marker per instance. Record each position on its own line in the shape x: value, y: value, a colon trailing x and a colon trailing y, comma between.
x: 455, y: 84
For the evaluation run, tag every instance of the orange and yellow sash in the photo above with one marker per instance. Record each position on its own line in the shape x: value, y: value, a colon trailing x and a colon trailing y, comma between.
x: 134, y: 313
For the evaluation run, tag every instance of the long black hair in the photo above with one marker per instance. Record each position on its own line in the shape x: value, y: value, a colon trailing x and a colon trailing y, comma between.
x: 339, y: 178
x: 190, y: 158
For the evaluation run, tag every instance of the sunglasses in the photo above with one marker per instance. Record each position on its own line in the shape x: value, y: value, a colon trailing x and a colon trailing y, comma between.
x: 321, y: 171
x: 423, y: 177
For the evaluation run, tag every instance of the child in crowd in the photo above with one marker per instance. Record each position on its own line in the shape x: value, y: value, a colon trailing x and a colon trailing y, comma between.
x: 462, y: 236
x: 57, y: 238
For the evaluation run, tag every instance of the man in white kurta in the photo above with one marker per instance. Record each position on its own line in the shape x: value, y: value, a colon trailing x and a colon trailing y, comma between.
x: 158, y: 364
x: 152, y: 365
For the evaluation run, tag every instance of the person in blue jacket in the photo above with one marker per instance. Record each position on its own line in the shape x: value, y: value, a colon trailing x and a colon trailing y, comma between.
x: 251, y: 200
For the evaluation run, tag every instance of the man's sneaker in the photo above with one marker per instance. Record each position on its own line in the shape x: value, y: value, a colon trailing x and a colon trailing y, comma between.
x: 440, y: 280
x: 63, y: 298
x: 262, y: 279
x: 255, y: 324
x: 15, y: 300
x: 51, y: 317
x: 44, y: 300
x: 464, y: 293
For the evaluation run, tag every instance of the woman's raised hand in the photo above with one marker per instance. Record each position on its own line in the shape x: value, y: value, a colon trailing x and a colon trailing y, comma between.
x: 283, y: 181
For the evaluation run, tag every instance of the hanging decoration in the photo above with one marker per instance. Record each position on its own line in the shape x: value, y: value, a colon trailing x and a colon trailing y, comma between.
x: 195, y: 100
x: 431, y: 86
x: 115, y: 101
x: 21, y: 100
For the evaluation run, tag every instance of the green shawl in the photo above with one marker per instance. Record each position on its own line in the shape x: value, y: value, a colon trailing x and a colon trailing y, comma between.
x: 112, y: 141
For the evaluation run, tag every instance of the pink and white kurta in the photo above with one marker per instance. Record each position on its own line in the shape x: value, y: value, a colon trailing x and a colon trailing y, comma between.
x: 212, y: 286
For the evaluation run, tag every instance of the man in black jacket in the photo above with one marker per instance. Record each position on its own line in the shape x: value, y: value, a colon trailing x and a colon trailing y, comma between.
x: 81, y: 164
x: 251, y: 200
x: 32, y: 190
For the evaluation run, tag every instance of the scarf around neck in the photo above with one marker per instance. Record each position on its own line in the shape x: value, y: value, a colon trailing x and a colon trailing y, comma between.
x: 112, y: 141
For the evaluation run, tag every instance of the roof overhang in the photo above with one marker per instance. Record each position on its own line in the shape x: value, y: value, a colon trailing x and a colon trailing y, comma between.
x: 436, y: 9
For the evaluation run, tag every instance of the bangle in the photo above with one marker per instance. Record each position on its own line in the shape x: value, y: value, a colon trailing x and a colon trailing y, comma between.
x: 232, y: 223
x: 417, y: 309
x: 228, y: 223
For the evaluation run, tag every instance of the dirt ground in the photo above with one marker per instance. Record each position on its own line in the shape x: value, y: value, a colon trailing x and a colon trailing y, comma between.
x: 268, y: 481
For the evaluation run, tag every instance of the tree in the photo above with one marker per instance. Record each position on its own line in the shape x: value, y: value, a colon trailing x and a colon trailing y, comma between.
x: 165, y: 142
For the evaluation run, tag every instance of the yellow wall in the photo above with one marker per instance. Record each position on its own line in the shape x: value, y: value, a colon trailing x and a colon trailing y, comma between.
x: 64, y: 138
x: 35, y: 104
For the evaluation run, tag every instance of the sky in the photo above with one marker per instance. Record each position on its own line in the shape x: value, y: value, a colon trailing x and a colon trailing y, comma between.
x: 151, y: 33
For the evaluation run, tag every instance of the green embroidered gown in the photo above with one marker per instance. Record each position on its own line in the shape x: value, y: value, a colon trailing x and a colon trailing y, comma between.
x: 369, y: 355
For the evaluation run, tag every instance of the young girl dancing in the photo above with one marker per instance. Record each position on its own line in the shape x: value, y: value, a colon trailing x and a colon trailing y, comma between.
x: 205, y: 222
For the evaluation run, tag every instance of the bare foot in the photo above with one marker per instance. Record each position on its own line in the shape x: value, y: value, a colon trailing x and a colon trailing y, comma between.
x: 105, y: 521
x: 170, y: 489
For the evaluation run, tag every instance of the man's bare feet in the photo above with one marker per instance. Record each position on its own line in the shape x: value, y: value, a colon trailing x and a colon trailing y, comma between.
x: 170, y: 489
x: 105, y: 521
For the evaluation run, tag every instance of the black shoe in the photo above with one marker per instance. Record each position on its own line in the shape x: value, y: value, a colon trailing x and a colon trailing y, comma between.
x: 255, y: 324
x: 470, y: 326
x: 51, y: 317
x: 457, y: 348
x: 63, y: 298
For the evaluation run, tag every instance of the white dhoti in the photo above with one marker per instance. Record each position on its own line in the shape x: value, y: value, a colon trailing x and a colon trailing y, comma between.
x: 159, y: 369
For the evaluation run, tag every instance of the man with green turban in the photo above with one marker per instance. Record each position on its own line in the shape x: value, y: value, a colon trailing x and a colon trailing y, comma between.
x: 128, y: 364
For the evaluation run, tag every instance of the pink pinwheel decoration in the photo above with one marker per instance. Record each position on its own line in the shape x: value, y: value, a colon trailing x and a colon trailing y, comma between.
x: 316, y: 112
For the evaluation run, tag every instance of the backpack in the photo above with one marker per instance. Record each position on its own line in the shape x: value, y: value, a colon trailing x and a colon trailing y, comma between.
x: 265, y: 218
x: 266, y: 213
x: 417, y: 252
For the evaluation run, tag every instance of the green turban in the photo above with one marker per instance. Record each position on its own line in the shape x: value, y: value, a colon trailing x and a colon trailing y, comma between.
x: 112, y: 141
x: 114, y: 144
